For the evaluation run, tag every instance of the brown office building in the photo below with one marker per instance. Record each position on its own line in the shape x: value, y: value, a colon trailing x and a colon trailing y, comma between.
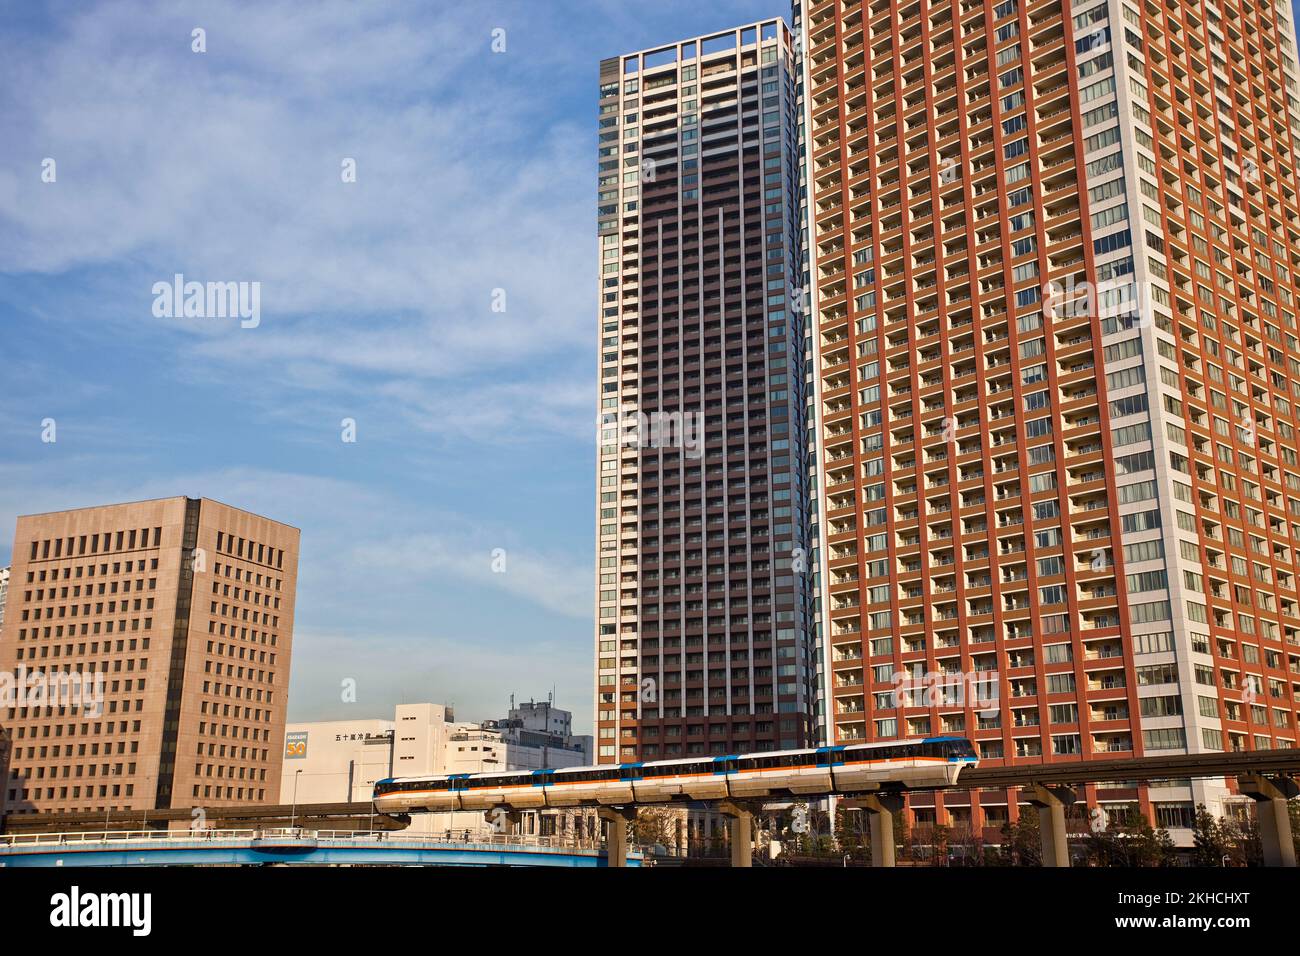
x: 183, y: 608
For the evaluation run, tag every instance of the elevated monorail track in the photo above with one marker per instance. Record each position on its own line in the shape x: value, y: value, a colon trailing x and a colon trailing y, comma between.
x: 1143, y: 769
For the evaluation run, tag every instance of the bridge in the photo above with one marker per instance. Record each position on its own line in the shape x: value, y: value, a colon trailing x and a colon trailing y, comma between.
x: 1269, y: 777
x: 290, y: 847
x: 1266, y: 776
x: 311, y: 816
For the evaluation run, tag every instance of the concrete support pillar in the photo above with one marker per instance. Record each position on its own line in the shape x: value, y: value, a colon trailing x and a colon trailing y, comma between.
x: 616, y: 840
x: 741, y: 826
x: 883, y: 807
x: 1051, y: 803
x: 1271, y: 795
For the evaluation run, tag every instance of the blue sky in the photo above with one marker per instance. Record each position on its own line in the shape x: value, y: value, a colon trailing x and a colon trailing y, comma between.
x: 475, y: 428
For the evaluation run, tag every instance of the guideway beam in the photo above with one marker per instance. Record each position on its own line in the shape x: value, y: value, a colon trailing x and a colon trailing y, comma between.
x: 1271, y: 795
x: 616, y: 841
x: 1051, y: 803
x: 741, y: 826
x: 883, y: 807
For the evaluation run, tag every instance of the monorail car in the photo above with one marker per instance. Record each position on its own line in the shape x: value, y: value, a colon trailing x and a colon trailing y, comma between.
x: 846, y: 769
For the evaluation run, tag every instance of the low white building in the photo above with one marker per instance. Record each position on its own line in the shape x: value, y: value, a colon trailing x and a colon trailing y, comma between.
x: 335, y: 761
x: 340, y: 761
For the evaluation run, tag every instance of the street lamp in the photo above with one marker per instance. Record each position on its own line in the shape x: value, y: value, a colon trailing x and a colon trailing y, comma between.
x: 293, y: 811
x: 108, y: 807
x: 144, y: 812
x: 361, y: 777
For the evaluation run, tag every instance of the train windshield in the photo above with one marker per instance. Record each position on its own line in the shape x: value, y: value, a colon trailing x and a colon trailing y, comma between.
x: 960, y: 748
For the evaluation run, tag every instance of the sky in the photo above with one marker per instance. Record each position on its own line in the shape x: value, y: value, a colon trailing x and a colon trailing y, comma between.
x: 444, y: 301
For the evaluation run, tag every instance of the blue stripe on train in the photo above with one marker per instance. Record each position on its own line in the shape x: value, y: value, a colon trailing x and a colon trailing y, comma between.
x: 835, y: 752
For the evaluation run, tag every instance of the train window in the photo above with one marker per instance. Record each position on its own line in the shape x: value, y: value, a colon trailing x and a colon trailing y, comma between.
x: 589, y: 776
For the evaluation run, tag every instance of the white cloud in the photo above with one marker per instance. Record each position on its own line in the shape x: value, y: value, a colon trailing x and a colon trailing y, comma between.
x: 552, y: 581
x: 226, y: 166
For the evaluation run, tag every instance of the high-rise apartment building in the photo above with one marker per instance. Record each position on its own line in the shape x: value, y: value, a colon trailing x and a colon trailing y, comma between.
x: 703, y: 610
x: 1054, y: 248
x: 173, y: 619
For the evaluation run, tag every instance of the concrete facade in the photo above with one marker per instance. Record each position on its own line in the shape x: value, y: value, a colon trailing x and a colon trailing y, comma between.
x: 341, y: 760
x: 183, y: 609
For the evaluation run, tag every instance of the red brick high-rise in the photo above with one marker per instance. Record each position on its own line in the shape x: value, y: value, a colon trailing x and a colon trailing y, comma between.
x: 1053, y: 250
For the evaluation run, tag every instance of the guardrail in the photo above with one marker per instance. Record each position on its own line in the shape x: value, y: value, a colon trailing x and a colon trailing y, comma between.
x: 287, y: 836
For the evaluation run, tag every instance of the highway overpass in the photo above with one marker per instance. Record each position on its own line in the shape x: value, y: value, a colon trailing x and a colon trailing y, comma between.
x: 289, y: 848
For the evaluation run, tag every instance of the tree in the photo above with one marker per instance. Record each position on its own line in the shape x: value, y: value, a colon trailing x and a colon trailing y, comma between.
x: 1210, y: 844
x: 904, y: 838
x: 654, y: 825
x: 1148, y: 846
x: 851, y: 832
x: 1101, y: 847
x: 940, y: 834
x: 1021, y: 843
x: 968, y: 842
x: 1244, y: 845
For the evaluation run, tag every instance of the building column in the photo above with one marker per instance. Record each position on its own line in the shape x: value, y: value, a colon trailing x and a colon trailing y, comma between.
x: 616, y: 841
x: 741, y: 827
x: 1271, y: 795
x: 1051, y: 803
x: 883, y: 807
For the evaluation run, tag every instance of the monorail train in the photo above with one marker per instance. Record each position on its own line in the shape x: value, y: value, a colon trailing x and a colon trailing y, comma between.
x: 848, y: 769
